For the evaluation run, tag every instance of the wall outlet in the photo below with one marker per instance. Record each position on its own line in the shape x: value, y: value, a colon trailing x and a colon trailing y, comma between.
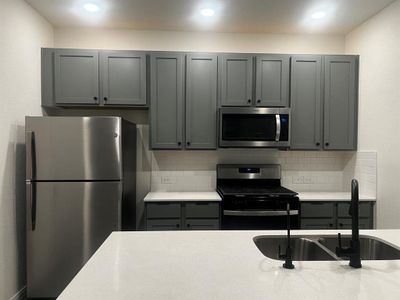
x: 298, y: 180
x: 307, y: 180
x: 168, y: 180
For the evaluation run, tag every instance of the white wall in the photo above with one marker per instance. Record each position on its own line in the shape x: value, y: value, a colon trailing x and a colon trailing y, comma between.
x: 196, y: 41
x: 22, y: 33
x: 378, y: 43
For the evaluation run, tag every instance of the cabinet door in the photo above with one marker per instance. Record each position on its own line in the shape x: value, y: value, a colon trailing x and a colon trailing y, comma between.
x: 166, y: 117
x: 201, y: 101
x: 201, y: 224
x: 163, y: 224
x: 363, y: 223
x: 317, y: 210
x: 340, y: 102
x: 317, y: 223
x: 306, y: 103
x: 123, y: 75
x: 76, y: 76
x: 272, y: 80
x: 236, y: 77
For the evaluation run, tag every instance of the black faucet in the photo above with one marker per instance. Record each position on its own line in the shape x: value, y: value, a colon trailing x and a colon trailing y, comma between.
x: 352, y: 252
x: 288, y: 264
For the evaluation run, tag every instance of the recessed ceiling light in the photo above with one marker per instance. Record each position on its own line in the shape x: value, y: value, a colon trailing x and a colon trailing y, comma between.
x: 318, y: 15
x: 91, y: 7
x: 207, y: 12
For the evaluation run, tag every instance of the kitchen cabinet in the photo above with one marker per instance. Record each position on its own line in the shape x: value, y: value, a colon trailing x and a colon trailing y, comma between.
x: 334, y: 215
x: 272, y: 80
x: 201, y: 101
x: 76, y: 76
x: 168, y: 104
x: 123, y: 77
x: 340, y: 102
x: 93, y: 78
x: 306, y: 102
x: 166, y: 112
x: 267, y: 80
x: 324, y: 102
x: 175, y: 215
x: 236, y: 77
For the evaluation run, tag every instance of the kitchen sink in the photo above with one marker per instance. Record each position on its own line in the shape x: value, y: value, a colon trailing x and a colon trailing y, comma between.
x: 371, y: 248
x: 320, y: 248
x: 302, y: 248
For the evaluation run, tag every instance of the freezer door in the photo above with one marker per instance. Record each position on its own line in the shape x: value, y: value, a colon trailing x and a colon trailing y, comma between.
x: 66, y: 223
x: 73, y: 148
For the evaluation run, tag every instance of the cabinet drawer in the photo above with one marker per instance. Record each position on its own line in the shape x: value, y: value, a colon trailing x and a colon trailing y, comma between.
x: 362, y: 223
x: 202, y: 210
x: 364, y: 210
x: 163, y: 224
x: 317, y: 223
x: 163, y: 210
x: 317, y: 210
x: 201, y: 224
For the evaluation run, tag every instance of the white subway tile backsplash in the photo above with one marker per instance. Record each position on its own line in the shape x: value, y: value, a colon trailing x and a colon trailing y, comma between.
x: 301, y: 170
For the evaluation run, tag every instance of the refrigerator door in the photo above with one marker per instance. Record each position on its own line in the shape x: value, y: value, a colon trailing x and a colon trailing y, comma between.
x: 66, y: 223
x: 73, y: 148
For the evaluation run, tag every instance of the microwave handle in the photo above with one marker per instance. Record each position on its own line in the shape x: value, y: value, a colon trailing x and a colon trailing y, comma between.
x: 278, y: 128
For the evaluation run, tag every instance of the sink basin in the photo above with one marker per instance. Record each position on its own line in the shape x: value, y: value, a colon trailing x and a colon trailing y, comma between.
x: 303, y: 248
x: 371, y: 248
x: 314, y: 248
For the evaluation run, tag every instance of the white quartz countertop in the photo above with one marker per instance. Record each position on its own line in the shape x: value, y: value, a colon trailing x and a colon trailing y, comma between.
x: 223, y: 265
x: 182, y: 196
x: 331, y: 196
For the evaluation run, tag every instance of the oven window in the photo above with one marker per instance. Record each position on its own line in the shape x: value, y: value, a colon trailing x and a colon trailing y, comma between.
x: 248, y: 127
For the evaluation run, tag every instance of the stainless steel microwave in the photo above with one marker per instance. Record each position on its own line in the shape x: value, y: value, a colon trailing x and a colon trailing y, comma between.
x: 250, y: 127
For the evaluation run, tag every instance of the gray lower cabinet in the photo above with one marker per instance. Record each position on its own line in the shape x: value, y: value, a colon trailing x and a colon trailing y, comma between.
x: 94, y: 78
x: 340, y: 102
x: 76, y: 76
x: 306, y: 102
x: 123, y: 77
x: 166, y: 112
x: 183, y: 215
x: 201, y: 101
x: 272, y: 80
x: 334, y: 215
x: 236, y: 79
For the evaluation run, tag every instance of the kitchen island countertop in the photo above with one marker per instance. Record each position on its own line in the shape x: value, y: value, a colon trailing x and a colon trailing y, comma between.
x: 224, y: 265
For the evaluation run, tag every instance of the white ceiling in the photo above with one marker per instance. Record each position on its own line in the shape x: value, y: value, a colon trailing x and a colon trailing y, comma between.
x: 277, y: 16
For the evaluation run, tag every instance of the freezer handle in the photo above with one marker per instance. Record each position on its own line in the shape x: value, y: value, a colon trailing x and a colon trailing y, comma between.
x: 30, y: 154
x: 31, y: 194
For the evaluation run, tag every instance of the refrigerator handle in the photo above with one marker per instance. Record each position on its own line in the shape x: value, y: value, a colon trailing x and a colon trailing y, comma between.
x: 31, y: 194
x: 30, y: 155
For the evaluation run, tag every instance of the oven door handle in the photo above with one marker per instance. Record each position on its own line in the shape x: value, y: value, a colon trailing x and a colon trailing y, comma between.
x: 259, y: 213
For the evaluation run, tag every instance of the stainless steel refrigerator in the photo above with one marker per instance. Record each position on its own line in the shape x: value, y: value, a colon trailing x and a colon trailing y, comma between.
x: 80, y: 180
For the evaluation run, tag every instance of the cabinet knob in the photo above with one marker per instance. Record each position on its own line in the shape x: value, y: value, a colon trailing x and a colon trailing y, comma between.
x: 188, y: 225
x: 188, y: 143
x: 249, y: 101
x: 330, y: 225
x: 326, y: 144
x: 95, y: 98
x: 179, y: 143
x: 105, y: 98
x: 317, y: 144
x: 258, y: 101
x: 177, y: 225
x: 341, y: 224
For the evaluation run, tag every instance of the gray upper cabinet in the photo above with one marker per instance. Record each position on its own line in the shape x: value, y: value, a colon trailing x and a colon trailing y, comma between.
x: 166, y: 117
x: 201, y: 101
x: 272, y: 80
x: 123, y: 77
x: 76, y: 76
x: 340, y: 102
x: 236, y: 78
x: 306, y: 102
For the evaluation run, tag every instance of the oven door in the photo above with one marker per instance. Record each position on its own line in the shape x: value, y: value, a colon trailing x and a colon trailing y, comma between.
x: 254, y: 127
x: 259, y: 213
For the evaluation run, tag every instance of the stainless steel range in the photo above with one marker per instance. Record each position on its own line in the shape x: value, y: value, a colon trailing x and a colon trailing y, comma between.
x: 253, y: 198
